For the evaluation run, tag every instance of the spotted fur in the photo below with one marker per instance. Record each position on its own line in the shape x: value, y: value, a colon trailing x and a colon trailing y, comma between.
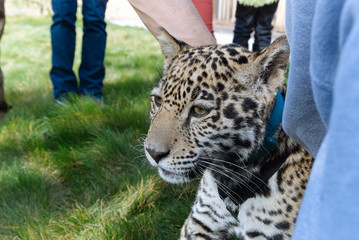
x: 208, y: 116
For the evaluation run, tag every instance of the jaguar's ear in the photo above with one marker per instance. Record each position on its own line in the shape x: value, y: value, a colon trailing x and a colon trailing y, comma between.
x: 271, y: 63
x: 170, y: 46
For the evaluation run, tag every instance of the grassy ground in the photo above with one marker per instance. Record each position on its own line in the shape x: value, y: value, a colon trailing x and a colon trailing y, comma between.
x: 77, y: 171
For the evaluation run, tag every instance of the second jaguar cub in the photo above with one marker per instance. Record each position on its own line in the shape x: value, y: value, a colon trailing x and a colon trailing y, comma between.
x: 216, y: 113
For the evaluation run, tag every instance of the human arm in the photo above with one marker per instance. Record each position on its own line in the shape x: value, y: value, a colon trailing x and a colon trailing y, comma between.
x: 340, y: 195
x: 300, y: 115
x: 330, y: 206
x: 179, y: 17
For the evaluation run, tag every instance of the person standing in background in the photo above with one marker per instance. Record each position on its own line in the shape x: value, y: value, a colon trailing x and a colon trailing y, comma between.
x: 4, y: 107
x: 254, y: 15
x: 63, y: 40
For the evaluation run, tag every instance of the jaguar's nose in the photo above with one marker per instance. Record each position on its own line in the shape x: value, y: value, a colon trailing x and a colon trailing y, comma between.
x: 157, y: 156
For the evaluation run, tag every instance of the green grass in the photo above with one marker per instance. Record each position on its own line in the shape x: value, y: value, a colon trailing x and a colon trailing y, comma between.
x: 77, y: 171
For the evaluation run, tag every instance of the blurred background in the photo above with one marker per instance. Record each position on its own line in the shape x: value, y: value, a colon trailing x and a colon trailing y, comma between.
x: 121, y: 13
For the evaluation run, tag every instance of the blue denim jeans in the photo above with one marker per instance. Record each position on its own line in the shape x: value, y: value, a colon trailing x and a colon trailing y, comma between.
x: 63, y: 40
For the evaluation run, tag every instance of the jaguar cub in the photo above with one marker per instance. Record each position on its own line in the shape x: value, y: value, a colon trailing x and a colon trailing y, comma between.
x: 216, y: 113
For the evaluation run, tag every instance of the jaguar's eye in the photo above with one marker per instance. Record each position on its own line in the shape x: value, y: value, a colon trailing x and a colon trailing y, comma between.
x: 200, y: 111
x: 158, y: 101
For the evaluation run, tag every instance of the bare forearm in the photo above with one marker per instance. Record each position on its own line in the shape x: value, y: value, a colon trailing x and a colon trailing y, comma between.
x: 179, y: 17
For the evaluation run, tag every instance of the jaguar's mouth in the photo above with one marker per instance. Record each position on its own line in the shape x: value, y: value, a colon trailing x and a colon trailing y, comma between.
x: 174, y: 171
x: 178, y: 176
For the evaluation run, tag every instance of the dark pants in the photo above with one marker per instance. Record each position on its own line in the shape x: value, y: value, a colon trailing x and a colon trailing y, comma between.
x: 3, y: 104
x: 257, y: 19
x: 63, y: 39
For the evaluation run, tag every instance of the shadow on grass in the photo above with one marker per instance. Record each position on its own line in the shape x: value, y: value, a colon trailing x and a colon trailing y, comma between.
x: 63, y: 160
x: 77, y: 171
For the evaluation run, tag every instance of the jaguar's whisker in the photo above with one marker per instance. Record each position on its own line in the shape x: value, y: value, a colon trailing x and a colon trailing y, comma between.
x: 236, y: 180
x: 245, y: 184
x: 235, y: 165
x: 222, y: 187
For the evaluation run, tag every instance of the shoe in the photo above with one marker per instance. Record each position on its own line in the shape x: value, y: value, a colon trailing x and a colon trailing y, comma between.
x: 4, y: 107
x: 100, y: 102
x: 65, y: 98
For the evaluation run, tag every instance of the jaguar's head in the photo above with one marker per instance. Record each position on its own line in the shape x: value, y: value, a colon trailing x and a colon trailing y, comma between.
x: 211, y: 106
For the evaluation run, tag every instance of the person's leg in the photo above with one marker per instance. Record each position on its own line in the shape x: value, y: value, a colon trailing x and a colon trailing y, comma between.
x: 92, y: 69
x: 263, y: 28
x: 244, y: 24
x: 205, y: 9
x: 3, y: 104
x: 63, y: 39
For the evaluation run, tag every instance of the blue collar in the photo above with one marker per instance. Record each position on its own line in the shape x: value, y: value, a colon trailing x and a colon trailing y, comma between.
x: 272, y: 126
